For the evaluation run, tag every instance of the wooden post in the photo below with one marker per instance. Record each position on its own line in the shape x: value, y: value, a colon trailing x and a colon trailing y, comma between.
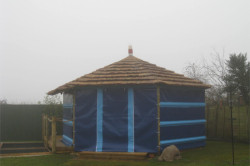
x: 247, y: 122
x: 238, y: 109
x: 43, y: 127
x: 216, y: 120
x: 74, y: 107
x: 207, y: 118
x: 53, y: 134
x: 158, y: 118
x: 224, y: 119
x: 232, y: 130
x: 46, y: 130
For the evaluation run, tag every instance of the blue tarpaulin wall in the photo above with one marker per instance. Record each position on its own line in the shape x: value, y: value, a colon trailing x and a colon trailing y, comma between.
x: 145, y: 120
x: 182, y: 118
x: 85, y: 120
x: 116, y: 119
x: 67, y: 137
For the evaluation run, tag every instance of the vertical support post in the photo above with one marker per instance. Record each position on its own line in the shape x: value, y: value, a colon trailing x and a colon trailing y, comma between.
x: 207, y: 113
x: 238, y: 110
x: 158, y: 118
x: 43, y: 127
x: 46, y: 131
x: 53, y: 134
x: 216, y: 120
x: 74, y: 107
x: 224, y: 121
x: 232, y: 130
x: 247, y: 122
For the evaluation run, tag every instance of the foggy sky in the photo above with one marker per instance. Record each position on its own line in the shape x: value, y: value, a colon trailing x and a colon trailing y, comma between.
x: 46, y: 43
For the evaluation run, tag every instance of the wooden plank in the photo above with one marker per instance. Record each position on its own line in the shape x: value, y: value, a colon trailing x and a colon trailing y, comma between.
x: 53, y: 134
x: 22, y: 142
x: 1, y: 144
x: 74, y: 107
x: 43, y: 127
x: 113, y: 155
x: 60, y: 147
x: 46, y: 131
x: 25, y: 154
x: 28, y: 148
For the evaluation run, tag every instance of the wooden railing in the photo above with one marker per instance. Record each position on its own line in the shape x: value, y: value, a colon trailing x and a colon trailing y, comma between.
x: 49, y: 130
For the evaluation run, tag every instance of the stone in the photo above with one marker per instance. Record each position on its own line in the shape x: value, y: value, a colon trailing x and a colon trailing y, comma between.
x: 170, y: 153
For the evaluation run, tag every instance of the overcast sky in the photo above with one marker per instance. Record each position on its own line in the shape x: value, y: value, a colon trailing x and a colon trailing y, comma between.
x: 46, y: 43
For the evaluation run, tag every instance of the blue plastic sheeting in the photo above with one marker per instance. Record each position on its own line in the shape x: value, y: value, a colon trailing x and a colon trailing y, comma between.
x: 85, y: 120
x: 190, y: 145
x: 175, y: 114
x: 67, y: 131
x: 176, y: 132
x: 67, y: 99
x: 182, y: 117
x: 181, y: 122
x: 130, y: 120
x: 68, y: 105
x: 182, y: 140
x: 99, y: 133
x: 67, y: 122
x: 67, y: 115
x: 145, y: 119
x: 115, y: 120
x: 67, y: 141
x: 182, y: 94
x: 182, y: 104
x: 99, y: 121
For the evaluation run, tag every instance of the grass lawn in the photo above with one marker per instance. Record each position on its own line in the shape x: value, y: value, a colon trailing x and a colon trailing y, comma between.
x: 214, y: 154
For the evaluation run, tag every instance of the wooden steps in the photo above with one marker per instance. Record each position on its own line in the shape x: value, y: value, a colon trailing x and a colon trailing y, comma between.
x: 112, y: 155
x: 22, y: 148
x: 60, y: 147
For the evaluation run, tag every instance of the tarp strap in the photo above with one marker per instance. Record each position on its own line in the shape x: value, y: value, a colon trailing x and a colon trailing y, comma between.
x: 130, y: 120
x: 67, y: 105
x: 99, y: 132
x: 67, y: 140
x: 181, y: 122
x: 68, y: 122
x: 182, y: 104
x: 183, y: 140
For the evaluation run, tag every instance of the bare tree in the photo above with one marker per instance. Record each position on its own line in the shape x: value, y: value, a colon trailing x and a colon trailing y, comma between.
x: 216, y: 69
x: 196, y: 72
x: 211, y: 70
x: 3, y: 101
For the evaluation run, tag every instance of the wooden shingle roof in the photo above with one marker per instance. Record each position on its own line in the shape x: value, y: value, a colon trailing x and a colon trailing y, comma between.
x: 130, y: 71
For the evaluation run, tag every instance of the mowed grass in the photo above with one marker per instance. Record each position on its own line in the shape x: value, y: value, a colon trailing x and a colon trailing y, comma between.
x: 214, y: 154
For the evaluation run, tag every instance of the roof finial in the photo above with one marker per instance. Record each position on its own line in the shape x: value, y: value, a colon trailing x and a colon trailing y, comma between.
x: 130, y: 50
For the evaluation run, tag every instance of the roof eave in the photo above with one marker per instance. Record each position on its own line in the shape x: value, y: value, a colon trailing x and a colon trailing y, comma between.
x: 63, y: 89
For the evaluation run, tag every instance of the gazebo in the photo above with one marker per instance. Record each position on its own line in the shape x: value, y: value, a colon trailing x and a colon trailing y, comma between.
x: 133, y: 106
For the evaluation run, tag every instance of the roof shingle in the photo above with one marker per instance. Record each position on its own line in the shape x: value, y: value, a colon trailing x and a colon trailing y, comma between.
x: 130, y: 71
